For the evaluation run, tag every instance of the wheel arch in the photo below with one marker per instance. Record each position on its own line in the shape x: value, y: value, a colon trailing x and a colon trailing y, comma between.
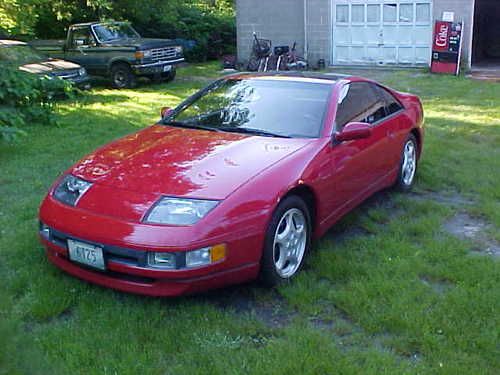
x: 307, y: 194
x: 118, y: 61
x: 418, y: 137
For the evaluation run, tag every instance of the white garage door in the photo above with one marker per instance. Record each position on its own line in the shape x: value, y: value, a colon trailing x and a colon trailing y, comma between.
x: 368, y: 32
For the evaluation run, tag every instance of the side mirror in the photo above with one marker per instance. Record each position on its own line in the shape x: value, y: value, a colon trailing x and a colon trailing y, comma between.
x: 165, y: 111
x: 354, y: 130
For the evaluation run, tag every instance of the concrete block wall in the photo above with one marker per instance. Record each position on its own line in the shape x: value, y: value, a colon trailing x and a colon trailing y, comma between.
x: 319, y: 31
x: 282, y: 21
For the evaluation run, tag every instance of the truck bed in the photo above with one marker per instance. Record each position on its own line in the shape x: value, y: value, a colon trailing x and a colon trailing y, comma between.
x: 50, y: 47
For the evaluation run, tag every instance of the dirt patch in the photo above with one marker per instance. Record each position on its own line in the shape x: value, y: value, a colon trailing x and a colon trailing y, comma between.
x: 448, y: 198
x: 383, y: 201
x: 342, y: 233
x: 336, y: 321
x: 475, y: 229
x: 440, y: 286
x: 270, y: 308
x: 63, y: 317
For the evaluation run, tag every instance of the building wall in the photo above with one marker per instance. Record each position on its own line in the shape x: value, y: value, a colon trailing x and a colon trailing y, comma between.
x: 464, y: 11
x: 319, y: 31
x: 282, y: 21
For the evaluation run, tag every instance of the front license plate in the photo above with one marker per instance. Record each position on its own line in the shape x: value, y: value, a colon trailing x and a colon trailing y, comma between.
x: 87, y: 254
x: 167, y: 68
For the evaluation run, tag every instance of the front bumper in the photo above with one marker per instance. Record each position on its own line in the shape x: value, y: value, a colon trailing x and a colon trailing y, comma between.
x: 156, y: 67
x: 82, y: 82
x: 125, y: 251
x: 127, y: 279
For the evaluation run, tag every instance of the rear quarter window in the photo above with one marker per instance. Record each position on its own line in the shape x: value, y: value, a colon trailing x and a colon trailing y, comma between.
x: 392, y: 105
x: 360, y: 104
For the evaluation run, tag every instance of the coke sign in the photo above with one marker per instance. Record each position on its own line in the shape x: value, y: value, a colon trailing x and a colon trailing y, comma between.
x: 441, y: 36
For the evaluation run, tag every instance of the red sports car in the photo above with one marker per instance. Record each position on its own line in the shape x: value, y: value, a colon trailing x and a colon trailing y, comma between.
x: 233, y: 184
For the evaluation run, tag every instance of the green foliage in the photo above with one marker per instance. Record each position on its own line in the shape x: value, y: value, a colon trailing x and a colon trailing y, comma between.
x: 213, y: 31
x: 211, y: 23
x: 26, y: 98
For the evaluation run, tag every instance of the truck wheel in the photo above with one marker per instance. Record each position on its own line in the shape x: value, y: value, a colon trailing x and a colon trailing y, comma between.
x: 122, y: 76
x: 164, y: 77
x: 171, y: 75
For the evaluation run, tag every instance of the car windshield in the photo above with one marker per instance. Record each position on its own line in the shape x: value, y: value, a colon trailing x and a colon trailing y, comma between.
x: 113, y: 31
x: 20, y: 54
x: 276, y: 107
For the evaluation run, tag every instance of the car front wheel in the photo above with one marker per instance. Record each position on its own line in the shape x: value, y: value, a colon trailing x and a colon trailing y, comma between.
x: 408, y: 164
x: 288, y: 239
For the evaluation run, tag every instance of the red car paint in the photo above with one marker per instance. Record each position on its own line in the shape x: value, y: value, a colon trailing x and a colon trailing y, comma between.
x: 249, y: 174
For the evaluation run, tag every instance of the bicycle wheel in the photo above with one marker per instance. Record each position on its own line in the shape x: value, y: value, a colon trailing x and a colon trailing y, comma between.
x: 253, y: 64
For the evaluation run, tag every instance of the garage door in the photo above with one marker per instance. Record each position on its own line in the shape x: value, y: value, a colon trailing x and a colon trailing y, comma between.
x: 381, y: 32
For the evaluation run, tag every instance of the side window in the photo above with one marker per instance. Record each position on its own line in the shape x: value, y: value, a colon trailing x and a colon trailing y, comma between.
x: 82, y: 37
x: 392, y: 105
x: 359, y: 103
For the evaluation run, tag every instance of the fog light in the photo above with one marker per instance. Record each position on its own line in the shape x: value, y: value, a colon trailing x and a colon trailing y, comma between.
x: 205, y: 256
x: 161, y: 260
x: 44, y: 231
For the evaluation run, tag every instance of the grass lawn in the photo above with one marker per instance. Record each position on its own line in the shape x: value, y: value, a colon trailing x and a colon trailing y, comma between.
x: 404, y: 284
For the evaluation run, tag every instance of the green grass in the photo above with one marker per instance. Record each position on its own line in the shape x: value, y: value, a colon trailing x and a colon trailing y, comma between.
x: 386, y: 291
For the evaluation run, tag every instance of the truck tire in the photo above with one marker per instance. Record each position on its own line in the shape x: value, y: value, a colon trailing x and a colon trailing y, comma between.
x: 171, y: 75
x: 122, y: 76
x: 164, y: 77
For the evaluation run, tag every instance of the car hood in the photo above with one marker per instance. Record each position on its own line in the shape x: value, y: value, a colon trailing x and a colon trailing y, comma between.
x: 49, y: 66
x: 142, y: 43
x: 163, y: 160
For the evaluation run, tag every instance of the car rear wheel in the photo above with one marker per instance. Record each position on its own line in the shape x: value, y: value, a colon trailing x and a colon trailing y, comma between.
x: 408, y: 164
x: 122, y: 76
x: 287, y: 241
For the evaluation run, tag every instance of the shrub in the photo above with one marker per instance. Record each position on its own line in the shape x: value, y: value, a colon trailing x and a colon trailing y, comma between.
x: 26, y: 98
x: 210, y: 23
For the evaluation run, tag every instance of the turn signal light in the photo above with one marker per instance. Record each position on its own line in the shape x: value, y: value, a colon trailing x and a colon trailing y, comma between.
x: 217, y: 253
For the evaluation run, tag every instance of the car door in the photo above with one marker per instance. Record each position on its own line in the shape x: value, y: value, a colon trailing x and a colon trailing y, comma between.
x: 356, y: 165
x: 393, y: 124
x: 82, y: 48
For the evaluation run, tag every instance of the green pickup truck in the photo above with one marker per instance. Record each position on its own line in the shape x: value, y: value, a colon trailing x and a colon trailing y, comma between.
x: 115, y: 50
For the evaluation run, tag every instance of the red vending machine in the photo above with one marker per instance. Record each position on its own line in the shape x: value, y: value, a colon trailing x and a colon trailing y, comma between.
x: 446, y: 47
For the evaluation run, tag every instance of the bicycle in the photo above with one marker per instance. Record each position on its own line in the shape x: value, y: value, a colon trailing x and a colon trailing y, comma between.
x: 295, y: 62
x: 261, y: 52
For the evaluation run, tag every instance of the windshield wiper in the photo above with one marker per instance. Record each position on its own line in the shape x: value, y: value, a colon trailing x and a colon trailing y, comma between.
x: 188, y: 125
x: 264, y: 133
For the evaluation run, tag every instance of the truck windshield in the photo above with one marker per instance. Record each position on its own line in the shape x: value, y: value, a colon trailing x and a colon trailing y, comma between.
x: 276, y: 107
x: 113, y: 31
x: 20, y: 54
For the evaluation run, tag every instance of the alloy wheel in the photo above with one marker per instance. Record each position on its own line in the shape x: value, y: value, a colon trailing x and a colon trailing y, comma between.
x: 290, y: 242
x: 409, y: 165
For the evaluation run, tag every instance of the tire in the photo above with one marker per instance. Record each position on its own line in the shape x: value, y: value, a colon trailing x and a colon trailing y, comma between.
x: 283, y: 257
x: 253, y: 64
x: 122, y: 76
x: 407, y: 165
x: 164, y: 77
x: 171, y: 75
